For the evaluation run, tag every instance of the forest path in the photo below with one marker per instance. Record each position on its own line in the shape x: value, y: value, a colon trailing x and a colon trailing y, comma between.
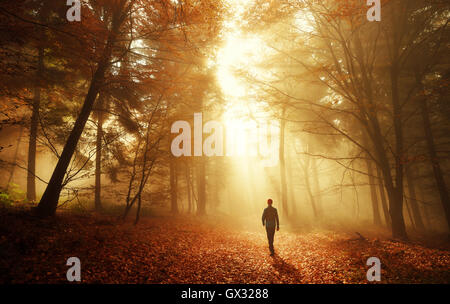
x: 201, y: 250
x: 180, y: 250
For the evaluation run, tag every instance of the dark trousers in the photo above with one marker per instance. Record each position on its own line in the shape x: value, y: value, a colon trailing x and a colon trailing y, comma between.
x: 270, y: 234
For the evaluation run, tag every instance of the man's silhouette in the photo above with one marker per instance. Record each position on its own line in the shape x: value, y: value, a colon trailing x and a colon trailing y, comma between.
x: 270, y: 220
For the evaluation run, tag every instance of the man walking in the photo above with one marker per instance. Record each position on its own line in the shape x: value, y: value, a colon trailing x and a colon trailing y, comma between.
x: 270, y: 220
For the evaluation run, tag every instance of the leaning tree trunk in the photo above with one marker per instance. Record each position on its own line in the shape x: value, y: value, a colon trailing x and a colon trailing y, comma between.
x: 49, y: 201
x: 31, y: 170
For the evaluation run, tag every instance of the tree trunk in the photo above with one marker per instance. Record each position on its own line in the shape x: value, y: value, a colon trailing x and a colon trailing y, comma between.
x: 438, y: 175
x: 31, y: 172
x: 383, y: 199
x: 373, y: 194
x: 408, y: 210
x: 283, y: 167
x: 146, y: 171
x: 413, y: 200
x: 138, y: 209
x: 396, y: 212
x: 16, y: 153
x: 217, y: 180
x: 49, y: 201
x: 293, y: 201
x: 98, y: 154
x: 308, y: 188
x: 394, y: 190
x: 201, y: 186
x: 173, y: 185
x: 317, y: 190
x: 188, y: 187
x: 398, y: 223
x: 426, y: 214
x: 194, y: 182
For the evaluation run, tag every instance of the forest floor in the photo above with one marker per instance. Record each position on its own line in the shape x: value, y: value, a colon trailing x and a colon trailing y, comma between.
x: 181, y: 249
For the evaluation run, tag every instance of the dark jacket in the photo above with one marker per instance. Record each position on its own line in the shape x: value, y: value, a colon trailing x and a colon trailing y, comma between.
x: 270, y: 217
